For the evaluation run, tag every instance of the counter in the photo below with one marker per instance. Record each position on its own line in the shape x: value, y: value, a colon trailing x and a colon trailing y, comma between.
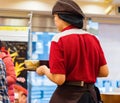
x: 112, y: 97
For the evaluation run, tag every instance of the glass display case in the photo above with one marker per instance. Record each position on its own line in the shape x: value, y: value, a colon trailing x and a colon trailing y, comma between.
x: 40, y: 87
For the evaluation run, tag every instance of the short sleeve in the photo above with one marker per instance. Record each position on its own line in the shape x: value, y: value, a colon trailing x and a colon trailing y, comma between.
x: 56, y: 59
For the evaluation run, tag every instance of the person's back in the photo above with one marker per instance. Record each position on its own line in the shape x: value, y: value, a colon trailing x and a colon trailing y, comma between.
x: 10, y: 71
x: 4, y: 98
x: 81, y: 50
x: 76, y: 57
x: 10, y: 74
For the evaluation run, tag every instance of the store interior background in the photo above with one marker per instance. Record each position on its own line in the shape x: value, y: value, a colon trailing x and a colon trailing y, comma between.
x: 28, y: 26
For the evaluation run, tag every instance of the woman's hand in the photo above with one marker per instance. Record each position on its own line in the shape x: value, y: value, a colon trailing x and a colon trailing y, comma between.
x: 41, y: 70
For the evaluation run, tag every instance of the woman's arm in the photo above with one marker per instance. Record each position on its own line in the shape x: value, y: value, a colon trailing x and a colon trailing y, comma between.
x: 10, y: 71
x: 103, y: 71
x: 59, y: 79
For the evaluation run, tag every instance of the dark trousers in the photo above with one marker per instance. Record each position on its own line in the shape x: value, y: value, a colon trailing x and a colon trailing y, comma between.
x: 72, y: 94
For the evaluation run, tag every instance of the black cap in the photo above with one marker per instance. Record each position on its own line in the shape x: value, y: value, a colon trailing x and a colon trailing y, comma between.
x: 67, y: 7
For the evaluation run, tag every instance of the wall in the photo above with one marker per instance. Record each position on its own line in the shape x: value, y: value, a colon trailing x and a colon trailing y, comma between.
x: 46, y: 6
x: 110, y: 38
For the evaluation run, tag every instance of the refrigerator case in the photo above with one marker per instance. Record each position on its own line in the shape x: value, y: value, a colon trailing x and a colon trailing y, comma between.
x: 39, y: 87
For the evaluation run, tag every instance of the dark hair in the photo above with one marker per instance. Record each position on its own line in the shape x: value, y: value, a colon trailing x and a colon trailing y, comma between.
x: 0, y: 44
x: 74, y: 20
x: 3, y: 44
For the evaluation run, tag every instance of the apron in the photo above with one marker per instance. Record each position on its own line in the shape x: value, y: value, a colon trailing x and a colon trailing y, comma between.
x: 74, y: 94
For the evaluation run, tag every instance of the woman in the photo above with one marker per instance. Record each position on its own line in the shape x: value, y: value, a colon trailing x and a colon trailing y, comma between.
x: 76, y: 57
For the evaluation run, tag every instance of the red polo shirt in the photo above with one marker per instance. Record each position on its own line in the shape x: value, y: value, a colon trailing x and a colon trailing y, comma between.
x: 77, y: 54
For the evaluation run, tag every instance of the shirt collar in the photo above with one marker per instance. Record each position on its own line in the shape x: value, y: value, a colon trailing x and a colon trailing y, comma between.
x: 68, y: 27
